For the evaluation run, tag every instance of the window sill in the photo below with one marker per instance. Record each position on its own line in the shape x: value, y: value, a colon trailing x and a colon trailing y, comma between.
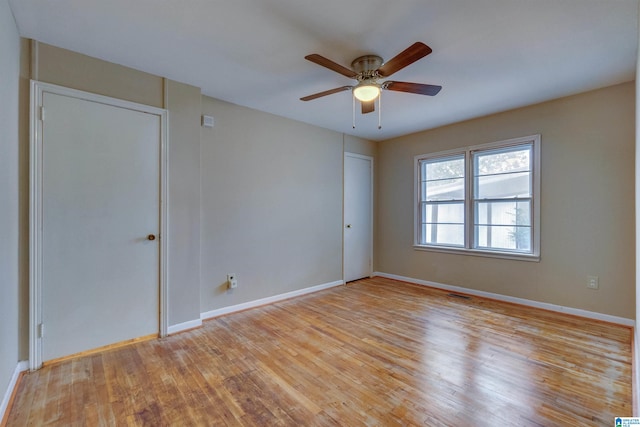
x: 475, y: 252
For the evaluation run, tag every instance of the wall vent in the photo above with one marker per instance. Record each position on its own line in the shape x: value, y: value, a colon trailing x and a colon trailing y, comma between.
x: 459, y: 296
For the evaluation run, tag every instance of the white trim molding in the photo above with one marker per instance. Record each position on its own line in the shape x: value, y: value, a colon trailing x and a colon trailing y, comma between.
x: 184, y: 326
x: 505, y: 298
x: 38, y: 89
x: 268, y: 300
x: 4, y: 406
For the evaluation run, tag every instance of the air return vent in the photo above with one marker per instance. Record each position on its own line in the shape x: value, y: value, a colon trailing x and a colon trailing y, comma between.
x: 459, y: 296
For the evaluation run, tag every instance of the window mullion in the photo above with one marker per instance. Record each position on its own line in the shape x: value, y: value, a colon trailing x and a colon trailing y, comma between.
x: 468, y: 197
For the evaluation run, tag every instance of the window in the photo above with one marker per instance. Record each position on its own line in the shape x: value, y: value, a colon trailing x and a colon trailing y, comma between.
x: 481, y: 199
x: 442, y: 201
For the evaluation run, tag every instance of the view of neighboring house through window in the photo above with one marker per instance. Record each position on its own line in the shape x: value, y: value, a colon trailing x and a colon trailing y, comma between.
x: 442, y: 204
x: 502, y: 198
x: 481, y: 199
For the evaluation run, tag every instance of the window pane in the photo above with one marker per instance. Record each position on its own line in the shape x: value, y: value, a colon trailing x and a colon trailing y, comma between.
x: 443, y: 234
x: 437, y: 169
x: 501, y: 161
x: 503, y: 237
x: 446, y: 189
x: 503, y: 186
x: 503, y: 213
x: 443, y: 213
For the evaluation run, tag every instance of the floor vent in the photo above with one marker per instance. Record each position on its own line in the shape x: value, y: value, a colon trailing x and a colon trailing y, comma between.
x: 459, y: 296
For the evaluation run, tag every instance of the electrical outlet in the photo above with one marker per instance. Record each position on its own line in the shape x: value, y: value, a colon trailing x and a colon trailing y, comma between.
x: 593, y: 282
x: 232, y: 282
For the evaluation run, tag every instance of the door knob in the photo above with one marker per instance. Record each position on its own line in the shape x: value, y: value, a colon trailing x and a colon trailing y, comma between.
x: 151, y: 237
x: 347, y: 226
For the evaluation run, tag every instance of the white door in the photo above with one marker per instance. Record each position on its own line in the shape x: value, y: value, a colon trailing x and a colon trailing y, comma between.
x: 358, y: 216
x: 100, y: 209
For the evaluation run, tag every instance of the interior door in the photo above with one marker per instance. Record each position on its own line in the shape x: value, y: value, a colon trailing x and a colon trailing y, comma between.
x: 358, y: 216
x: 100, y: 219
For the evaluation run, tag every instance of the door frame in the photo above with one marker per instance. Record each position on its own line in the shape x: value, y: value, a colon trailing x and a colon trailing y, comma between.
x: 344, y: 252
x: 38, y: 89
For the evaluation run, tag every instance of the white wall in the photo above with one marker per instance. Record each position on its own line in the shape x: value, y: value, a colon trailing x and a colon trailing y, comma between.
x: 9, y: 197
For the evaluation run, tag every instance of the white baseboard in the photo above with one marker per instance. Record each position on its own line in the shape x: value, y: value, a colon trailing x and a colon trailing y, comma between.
x: 269, y: 300
x: 184, y: 326
x: 20, y: 367
x: 530, y: 303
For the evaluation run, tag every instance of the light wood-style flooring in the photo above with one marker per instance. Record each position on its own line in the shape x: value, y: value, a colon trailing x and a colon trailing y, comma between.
x: 374, y: 352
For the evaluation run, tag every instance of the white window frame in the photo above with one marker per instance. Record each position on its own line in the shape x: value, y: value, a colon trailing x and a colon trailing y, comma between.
x: 468, y: 248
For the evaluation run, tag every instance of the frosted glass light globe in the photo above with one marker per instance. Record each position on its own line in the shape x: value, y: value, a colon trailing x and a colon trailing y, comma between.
x: 366, y: 93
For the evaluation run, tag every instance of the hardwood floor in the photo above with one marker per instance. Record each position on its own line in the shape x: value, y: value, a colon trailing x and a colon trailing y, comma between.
x: 375, y: 352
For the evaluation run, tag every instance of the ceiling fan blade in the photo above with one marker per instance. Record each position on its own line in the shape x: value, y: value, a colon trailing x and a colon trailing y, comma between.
x: 368, y: 107
x: 406, y: 57
x: 325, y: 93
x: 327, y: 63
x: 419, y: 88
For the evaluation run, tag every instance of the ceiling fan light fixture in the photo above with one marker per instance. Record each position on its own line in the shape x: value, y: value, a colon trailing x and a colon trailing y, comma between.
x: 366, y: 92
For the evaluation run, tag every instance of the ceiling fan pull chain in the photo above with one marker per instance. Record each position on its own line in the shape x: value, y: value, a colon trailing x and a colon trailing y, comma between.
x: 353, y: 112
x: 380, y: 110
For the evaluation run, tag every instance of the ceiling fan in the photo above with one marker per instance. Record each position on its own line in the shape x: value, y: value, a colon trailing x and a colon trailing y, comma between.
x: 368, y: 69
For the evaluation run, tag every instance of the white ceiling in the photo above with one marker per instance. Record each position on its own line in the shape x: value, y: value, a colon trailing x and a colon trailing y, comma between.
x: 489, y: 55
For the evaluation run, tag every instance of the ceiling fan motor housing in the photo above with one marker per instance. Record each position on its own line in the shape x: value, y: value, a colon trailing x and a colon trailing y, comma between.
x: 366, y: 66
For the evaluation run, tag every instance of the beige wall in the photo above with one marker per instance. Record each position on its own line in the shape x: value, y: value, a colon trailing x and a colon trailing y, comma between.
x: 70, y: 69
x: 183, y: 103
x: 587, y: 204
x: 59, y: 66
x: 271, y: 205
x: 357, y: 145
x: 258, y: 195
x: 23, y: 167
x: 9, y: 197
x: 636, y: 341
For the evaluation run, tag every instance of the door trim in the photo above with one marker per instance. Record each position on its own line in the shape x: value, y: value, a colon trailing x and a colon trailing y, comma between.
x: 370, y: 159
x: 38, y: 89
